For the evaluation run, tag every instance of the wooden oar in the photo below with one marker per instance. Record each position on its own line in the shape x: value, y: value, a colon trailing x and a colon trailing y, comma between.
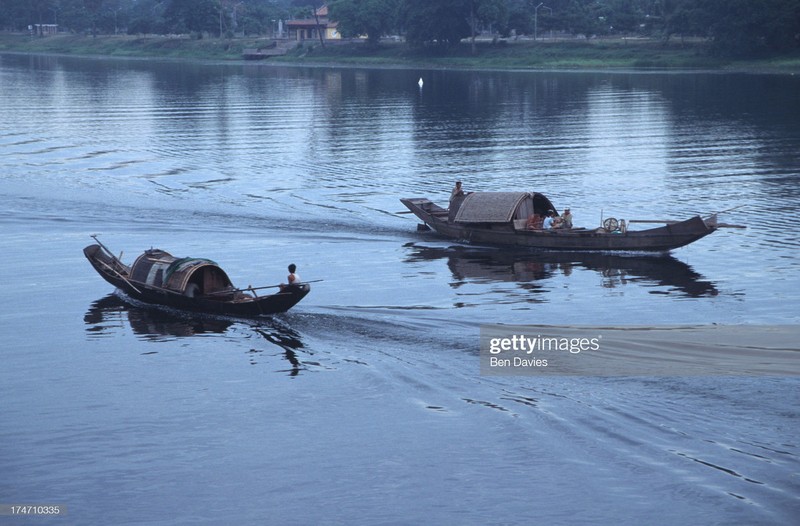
x: 662, y: 221
x: 672, y: 222
x: 109, y: 267
x: 94, y: 236
x: 250, y: 289
x: 123, y: 278
x: 729, y: 209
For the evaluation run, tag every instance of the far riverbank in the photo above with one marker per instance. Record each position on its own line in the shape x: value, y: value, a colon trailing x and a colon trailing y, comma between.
x: 521, y: 54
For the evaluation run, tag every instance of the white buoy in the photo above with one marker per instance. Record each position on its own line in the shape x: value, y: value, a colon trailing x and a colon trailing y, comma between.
x: 420, y: 83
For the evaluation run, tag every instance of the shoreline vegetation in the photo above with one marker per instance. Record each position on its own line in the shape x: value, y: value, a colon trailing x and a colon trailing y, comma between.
x: 543, y: 54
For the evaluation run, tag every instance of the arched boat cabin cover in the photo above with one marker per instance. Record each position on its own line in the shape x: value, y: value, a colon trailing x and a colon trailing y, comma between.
x: 498, y: 207
x: 158, y: 268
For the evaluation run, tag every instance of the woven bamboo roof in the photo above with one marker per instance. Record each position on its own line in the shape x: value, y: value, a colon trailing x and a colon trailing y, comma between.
x: 489, y: 207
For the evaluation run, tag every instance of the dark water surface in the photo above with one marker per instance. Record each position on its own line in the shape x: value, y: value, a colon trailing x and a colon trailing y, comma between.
x: 365, y: 404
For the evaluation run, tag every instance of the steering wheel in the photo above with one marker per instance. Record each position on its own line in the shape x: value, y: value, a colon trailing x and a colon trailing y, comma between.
x: 611, y: 224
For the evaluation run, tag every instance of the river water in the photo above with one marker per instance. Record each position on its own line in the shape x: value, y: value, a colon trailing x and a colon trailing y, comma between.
x: 365, y: 404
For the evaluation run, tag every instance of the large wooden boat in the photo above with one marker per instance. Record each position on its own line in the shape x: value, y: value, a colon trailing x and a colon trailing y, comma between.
x: 504, y: 218
x: 189, y: 283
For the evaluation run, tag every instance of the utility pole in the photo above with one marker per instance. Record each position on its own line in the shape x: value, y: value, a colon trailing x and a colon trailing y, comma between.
x: 536, y: 19
x: 320, y: 29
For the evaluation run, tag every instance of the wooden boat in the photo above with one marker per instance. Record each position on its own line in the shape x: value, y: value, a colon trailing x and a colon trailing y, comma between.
x: 189, y: 283
x: 503, y: 218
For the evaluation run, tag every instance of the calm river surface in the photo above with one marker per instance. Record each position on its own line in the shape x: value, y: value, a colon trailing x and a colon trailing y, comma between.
x: 365, y: 403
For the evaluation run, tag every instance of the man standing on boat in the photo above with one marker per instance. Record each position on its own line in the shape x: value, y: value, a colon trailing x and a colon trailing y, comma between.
x: 457, y: 191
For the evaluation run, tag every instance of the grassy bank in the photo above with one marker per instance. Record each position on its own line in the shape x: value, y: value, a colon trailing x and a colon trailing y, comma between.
x: 594, y: 54
x: 129, y: 46
x: 531, y: 55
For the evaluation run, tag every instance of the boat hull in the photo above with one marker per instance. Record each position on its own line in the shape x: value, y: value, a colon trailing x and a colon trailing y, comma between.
x: 115, y: 273
x: 660, y: 239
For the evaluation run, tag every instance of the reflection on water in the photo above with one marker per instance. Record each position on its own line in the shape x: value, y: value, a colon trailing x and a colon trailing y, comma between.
x: 289, y: 341
x: 109, y: 315
x: 487, y: 265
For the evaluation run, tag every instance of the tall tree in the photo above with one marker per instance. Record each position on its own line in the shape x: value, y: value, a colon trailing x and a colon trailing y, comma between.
x: 93, y: 8
x: 743, y: 27
x: 485, y: 12
x: 183, y: 16
x: 444, y: 22
x: 364, y: 17
x: 682, y: 17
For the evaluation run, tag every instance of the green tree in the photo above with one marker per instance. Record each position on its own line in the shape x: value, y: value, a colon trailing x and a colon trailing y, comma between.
x: 743, y: 27
x: 485, y: 12
x: 261, y: 16
x: 682, y: 17
x: 93, y: 10
x: 446, y: 22
x: 364, y: 17
x: 147, y: 17
x: 625, y: 16
x: 519, y: 18
x: 184, y: 16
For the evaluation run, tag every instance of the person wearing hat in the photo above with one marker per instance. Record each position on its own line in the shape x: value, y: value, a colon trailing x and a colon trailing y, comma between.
x: 566, y: 219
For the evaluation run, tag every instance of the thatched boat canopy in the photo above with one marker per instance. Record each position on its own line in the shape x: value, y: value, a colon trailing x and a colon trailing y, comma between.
x: 189, y: 276
x: 501, y: 207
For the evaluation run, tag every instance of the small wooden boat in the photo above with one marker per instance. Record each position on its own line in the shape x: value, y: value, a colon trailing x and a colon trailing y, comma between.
x: 189, y: 283
x: 504, y: 218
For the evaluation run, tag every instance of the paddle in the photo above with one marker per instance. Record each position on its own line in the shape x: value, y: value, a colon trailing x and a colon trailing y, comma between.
x: 251, y: 289
x: 123, y: 278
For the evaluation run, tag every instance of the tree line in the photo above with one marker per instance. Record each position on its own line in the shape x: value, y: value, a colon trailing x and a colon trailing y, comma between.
x: 739, y: 27
x: 164, y: 17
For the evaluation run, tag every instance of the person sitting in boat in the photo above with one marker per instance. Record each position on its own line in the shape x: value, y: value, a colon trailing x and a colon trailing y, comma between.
x: 294, y: 277
x: 534, y: 222
x: 565, y: 221
x: 457, y: 191
x: 548, y: 224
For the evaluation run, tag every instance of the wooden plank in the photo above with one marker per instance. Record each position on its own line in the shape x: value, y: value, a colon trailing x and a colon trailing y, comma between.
x: 663, y: 221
